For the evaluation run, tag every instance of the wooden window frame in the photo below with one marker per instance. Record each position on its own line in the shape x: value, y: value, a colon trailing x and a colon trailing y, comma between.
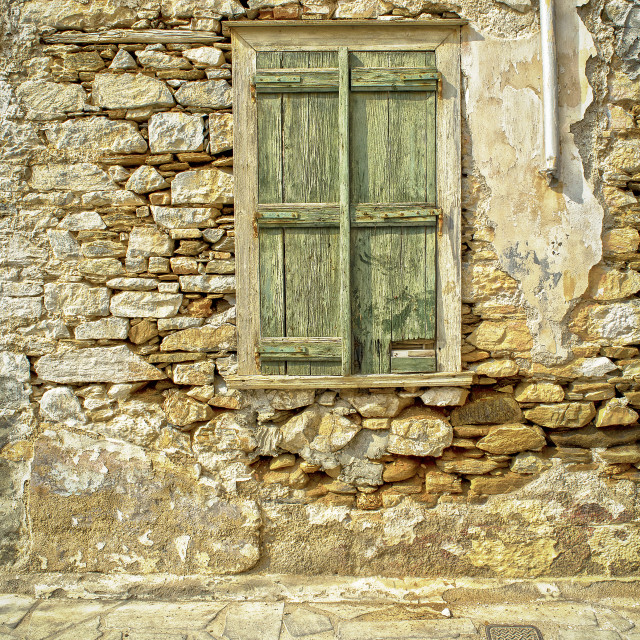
x: 440, y: 36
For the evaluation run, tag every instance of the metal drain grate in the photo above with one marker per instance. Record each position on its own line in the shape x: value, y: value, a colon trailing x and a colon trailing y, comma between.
x: 512, y: 632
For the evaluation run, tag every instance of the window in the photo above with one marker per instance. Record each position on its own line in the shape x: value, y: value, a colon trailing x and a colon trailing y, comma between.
x: 347, y: 163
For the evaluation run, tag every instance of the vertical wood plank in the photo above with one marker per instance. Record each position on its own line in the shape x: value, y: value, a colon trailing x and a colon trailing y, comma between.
x: 246, y: 174
x: 271, y: 241
x: 448, y: 312
x: 345, y: 221
x: 430, y: 282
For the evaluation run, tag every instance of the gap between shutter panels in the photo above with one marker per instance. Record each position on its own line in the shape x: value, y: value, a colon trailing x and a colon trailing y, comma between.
x: 389, y: 305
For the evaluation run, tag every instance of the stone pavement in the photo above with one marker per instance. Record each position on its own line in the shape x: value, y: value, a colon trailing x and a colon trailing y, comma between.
x: 462, y: 614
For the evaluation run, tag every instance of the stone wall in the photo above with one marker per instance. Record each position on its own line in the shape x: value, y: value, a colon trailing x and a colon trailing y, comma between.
x: 121, y: 447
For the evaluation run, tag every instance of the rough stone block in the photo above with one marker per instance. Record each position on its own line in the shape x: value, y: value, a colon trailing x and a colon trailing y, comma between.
x: 419, y: 432
x: 46, y: 100
x: 176, y: 132
x: 130, y: 91
x: 208, y: 94
x: 148, y: 241
x: 145, y: 304
x: 75, y: 298
x: 104, y: 329
x: 185, y: 217
x: 70, y: 177
x: 201, y: 339
x: 220, y: 132
x: 145, y: 179
x: 208, y: 284
x: 203, y: 186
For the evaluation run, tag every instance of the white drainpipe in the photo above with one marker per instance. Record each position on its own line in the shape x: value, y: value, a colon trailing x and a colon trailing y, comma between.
x: 549, y: 89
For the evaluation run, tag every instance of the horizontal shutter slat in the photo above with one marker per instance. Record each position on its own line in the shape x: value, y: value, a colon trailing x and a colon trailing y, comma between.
x: 292, y: 348
x: 398, y: 79
x: 296, y: 80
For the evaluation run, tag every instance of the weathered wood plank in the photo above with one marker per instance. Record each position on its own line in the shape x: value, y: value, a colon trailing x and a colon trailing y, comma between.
x: 246, y: 173
x: 134, y: 36
x: 399, y: 78
x: 461, y: 379
x: 345, y: 213
x: 310, y: 215
x: 297, y: 80
x: 271, y: 255
x: 301, y: 349
x: 430, y: 282
x: 413, y: 365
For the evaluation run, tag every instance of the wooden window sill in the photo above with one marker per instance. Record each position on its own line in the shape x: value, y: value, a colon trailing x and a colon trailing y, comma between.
x: 458, y: 379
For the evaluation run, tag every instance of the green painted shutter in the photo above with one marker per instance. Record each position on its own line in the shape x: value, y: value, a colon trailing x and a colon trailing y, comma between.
x: 387, y: 134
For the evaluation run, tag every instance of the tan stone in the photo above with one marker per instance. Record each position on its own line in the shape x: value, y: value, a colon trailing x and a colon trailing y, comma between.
x: 376, y: 423
x: 195, y: 373
x: 483, y: 281
x: 220, y: 132
x: 607, y: 283
x: 282, y: 461
x: 400, y: 469
x: 201, y: 339
x: 444, y: 396
x: 419, y: 432
x: 502, y: 336
x: 616, y: 322
x: 491, y: 408
x: 593, y: 391
x: 628, y: 453
x: 496, y: 368
x: 539, y: 392
x: 512, y: 438
x: 283, y: 400
x: 182, y: 410
x: 563, y: 415
x: 591, y: 438
x: 623, y: 240
x: 334, y: 433
x: 298, y: 432
x: 625, y: 155
x: 494, y: 485
x: 143, y: 331
x: 376, y: 405
x: 467, y: 466
x: 440, y: 482
x: 616, y: 412
x: 622, y: 88
x: 200, y: 308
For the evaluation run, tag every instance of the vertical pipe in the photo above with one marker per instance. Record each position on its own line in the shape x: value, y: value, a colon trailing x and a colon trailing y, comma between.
x: 345, y: 221
x: 549, y: 89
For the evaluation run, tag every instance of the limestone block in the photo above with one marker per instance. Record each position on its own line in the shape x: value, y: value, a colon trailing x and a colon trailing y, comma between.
x: 563, y: 415
x: 208, y: 284
x: 594, y: 391
x: 159, y: 60
x: 419, y: 432
x: 529, y: 462
x: 195, y: 373
x: 175, y: 132
x: 75, y: 298
x: 303, y: 622
x: 220, y: 132
x: 627, y: 453
x: 179, y: 322
x: 207, y: 94
x: 182, y: 410
x: 187, y: 8
x: 592, y: 438
x: 81, y: 221
x: 118, y: 198
x: 75, y: 14
x: 145, y: 304
x: 502, y: 368
x: 512, y: 438
x: 400, y: 469
x: 14, y: 372
x: 618, y: 323
x: 502, y: 336
x: 123, y: 60
x: 96, y: 364
x: 622, y: 88
x: 616, y: 412
x: 103, y: 249
x: 18, y: 141
x: 445, y: 396
x: 284, y: 400
x: 623, y: 240
x: 133, y: 284
x: 46, y: 100
x: 360, y: 9
x: 467, y: 466
x: 362, y: 473
x: 484, y: 281
x: 63, y: 244
x: 201, y: 339
x: 436, y: 481
x: 143, y: 331
x: 496, y: 485
x: 130, y: 91
x: 203, y: 186
x: 96, y: 134
x: 145, y: 179
x: 492, y: 408
x: 299, y: 431
x: 376, y: 405
x: 185, y: 217
x: 539, y: 392
x: 205, y: 56
x: 147, y: 241
x: 334, y: 433
x: 607, y: 283
x: 579, y: 368
x: 101, y: 268
x: 20, y: 308
x: 70, y: 177
x: 61, y: 405
x: 106, y: 328
x: 625, y: 155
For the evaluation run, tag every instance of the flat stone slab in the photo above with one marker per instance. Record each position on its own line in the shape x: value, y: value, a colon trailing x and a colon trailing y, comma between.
x: 254, y: 621
x: 13, y: 609
x: 165, y: 616
x: 405, y: 629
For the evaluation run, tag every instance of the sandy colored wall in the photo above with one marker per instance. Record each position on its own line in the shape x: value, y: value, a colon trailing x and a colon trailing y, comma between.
x: 121, y: 448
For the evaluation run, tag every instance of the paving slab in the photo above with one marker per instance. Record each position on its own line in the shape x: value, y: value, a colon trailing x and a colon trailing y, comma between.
x: 166, y: 616
x: 55, y: 616
x: 405, y: 629
x: 254, y: 621
x: 303, y: 622
x: 14, y: 608
x: 588, y: 634
x: 566, y: 614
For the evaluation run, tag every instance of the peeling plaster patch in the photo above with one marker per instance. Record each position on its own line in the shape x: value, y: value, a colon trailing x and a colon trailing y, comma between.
x: 547, y: 239
x: 399, y: 523
x: 182, y: 544
x: 319, y: 514
x: 526, y: 558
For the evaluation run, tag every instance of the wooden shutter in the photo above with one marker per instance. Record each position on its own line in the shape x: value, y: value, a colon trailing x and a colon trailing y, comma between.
x: 346, y: 214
